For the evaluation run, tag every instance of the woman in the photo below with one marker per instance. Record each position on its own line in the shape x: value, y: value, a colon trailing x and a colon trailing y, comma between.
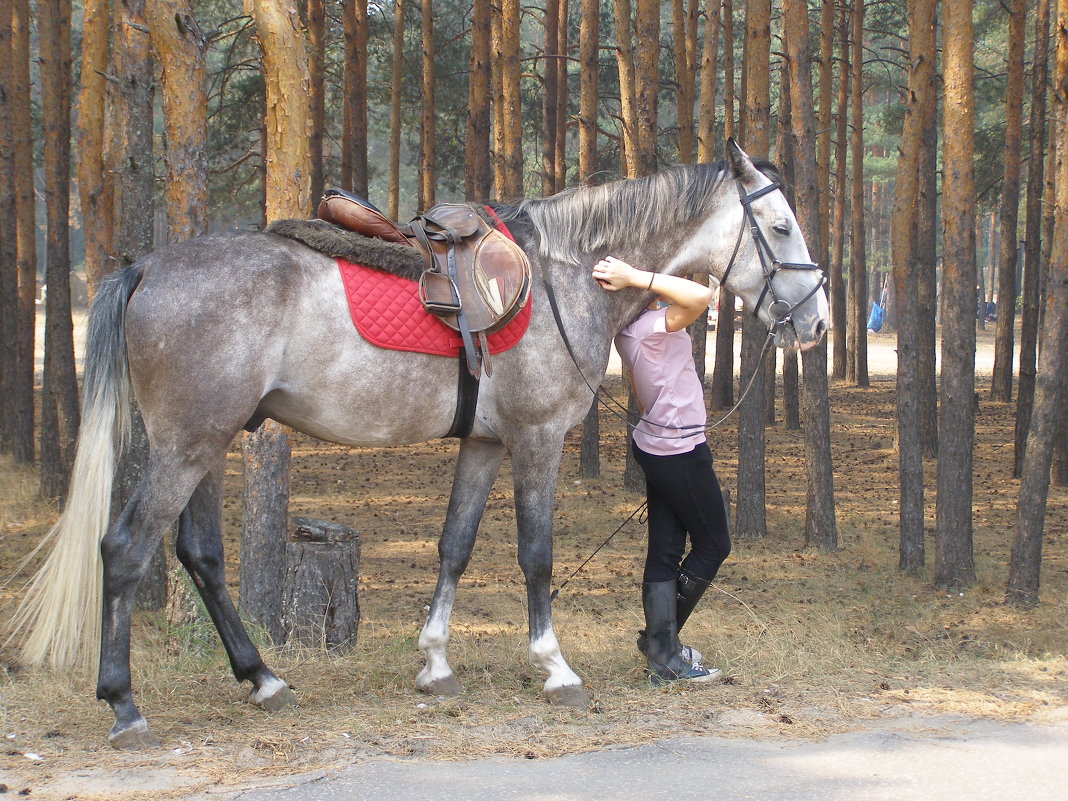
x: 669, y: 443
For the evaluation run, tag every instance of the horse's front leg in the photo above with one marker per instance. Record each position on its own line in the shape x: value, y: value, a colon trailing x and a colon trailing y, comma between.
x: 476, y: 469
x: 534, y: 469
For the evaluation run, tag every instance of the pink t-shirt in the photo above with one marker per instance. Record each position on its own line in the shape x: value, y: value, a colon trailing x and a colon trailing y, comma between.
x: 661, y: 365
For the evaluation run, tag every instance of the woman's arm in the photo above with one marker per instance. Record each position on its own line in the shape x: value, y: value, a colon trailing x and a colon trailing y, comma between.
x: 688, y: 299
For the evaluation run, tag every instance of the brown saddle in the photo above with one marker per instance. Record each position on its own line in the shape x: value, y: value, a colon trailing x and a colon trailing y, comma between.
x: 476, y: 278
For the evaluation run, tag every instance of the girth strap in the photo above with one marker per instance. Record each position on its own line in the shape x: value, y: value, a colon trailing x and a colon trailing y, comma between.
x: 463, y: 420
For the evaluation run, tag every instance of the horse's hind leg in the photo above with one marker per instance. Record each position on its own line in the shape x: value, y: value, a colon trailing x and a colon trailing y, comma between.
x: 476, y: 469
x: 126, y: 551
x: 535, y: 464
x: 200, y: 549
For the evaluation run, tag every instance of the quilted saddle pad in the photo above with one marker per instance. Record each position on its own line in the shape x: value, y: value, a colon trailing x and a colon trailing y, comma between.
x: 386, y: 312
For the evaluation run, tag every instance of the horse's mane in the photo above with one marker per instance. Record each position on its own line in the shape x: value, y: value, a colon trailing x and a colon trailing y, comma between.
x: 594, y: 219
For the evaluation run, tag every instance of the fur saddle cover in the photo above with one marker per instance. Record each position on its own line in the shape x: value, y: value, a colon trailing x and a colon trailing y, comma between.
x: 380, y: 281
x: 331, y: 240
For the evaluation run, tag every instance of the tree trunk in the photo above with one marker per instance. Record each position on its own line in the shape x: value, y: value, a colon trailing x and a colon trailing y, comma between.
x: 927, y: 232
x: 647, y: 82
x: 722, y: 391
x: 317, y: 97
x: 93, y: 188
x: 835, y: 271
x: 590, y: 452
x: 512, y: 155
x: 550, y: 96
x: 903, y: 237
x: 9, y: 281
x: 180, y: 47
x: 321, y: 607
x: 397, y: 76
x: 857, y: 329
x: 750, y: 517
x: 354, y: 112
x: 477, y: 145
x: 1050, y: 384
x: 707, y: 152
x: 824, y: 127
x: 953, y: 543
x: 59, y: 394
x: 20, y: 378
x: 428, y: 178
x: 820, y: 528
x: 562, y: 94
x: 129, y: 162
x: 627, y: 99
x: 288, y: 193
x: 684, y: 80
x: 1033, y: 263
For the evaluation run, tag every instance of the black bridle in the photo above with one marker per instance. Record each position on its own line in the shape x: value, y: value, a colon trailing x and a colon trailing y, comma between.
x: 781, y: 311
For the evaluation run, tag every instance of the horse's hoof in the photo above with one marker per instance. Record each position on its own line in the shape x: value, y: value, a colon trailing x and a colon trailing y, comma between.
x: 446, y: 685
x: 137, y: 737
x: 273, y: 696
x: 572, y: 695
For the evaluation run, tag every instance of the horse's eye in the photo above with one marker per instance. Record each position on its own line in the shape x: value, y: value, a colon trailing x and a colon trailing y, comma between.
x: 781, y: 228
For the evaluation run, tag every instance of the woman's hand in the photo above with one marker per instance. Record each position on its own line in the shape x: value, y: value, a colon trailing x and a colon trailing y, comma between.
x: 614, y: 274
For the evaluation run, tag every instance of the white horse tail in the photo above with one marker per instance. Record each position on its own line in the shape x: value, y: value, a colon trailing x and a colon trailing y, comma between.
x: 61, y: 611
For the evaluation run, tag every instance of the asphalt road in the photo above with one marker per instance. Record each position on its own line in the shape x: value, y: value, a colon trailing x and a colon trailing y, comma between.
x: 915, y: 758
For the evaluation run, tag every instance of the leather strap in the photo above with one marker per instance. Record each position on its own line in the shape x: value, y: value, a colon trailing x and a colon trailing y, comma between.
x: 463, y: 420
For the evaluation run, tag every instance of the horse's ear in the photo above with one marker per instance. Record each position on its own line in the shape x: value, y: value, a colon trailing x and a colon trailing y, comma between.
x: 741, y: 164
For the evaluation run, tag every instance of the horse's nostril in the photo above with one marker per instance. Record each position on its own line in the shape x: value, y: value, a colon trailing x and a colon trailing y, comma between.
x: 821, y: 328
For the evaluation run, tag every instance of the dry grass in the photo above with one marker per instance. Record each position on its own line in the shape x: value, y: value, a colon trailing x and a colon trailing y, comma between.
x: 812, y: 643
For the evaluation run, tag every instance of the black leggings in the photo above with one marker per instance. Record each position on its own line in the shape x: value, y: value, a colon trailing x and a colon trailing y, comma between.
x: 684, y: 499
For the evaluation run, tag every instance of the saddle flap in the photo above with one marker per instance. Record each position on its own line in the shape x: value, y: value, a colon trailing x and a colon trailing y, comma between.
x: 458, y: 217
x: 359, y: 215
x: 501, y: 276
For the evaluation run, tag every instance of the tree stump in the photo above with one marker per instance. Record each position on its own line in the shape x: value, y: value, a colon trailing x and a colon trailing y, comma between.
x: 321, y: 604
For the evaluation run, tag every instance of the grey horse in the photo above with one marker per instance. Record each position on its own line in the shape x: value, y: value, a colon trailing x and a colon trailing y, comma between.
x: 214, y: 332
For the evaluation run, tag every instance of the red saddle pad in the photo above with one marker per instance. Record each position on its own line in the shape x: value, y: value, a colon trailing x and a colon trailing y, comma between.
x: 386, y: 311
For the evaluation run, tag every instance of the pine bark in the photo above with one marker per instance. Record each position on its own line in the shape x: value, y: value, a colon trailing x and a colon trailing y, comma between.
x: 750, y: 516
x: 706, y: 118
x: 835, y: 271
x: 59, y: 393
x: 562, y: 94
x: 954, y: 566
x: 1001, y: 380
x: 9, y: 282
x: 821, y: 530
x: 857, y: 329
x: 1034, y: 264
x: 590, y: 447
x: 180, y: 45
x: 477, y: 145
x: 396, y: 78
x: 721, y: 394
x: 288, y: 193
x: 550, y: 96
x: 94, y: 191
x: 647, y: 82
x: 428, y: 177
x: 684, y: 81
x: 1050, y: 386
x: 627, y: 97
x: 354, y: 111
x: 19, y: 395
x: 904, y: 222
x: 317, y: 83
x: 512, y: 143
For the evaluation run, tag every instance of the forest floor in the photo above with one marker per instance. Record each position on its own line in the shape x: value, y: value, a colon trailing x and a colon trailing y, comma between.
x: 813, y: 644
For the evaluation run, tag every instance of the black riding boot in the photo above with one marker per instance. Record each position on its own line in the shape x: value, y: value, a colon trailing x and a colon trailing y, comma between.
x: 690, y: 591
x: 659, y: 598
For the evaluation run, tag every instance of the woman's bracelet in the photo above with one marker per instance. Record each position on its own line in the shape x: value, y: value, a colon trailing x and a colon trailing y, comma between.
x: 651, y: 277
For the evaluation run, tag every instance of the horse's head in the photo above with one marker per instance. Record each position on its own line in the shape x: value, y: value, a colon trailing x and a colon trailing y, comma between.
x: 769, y: 265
